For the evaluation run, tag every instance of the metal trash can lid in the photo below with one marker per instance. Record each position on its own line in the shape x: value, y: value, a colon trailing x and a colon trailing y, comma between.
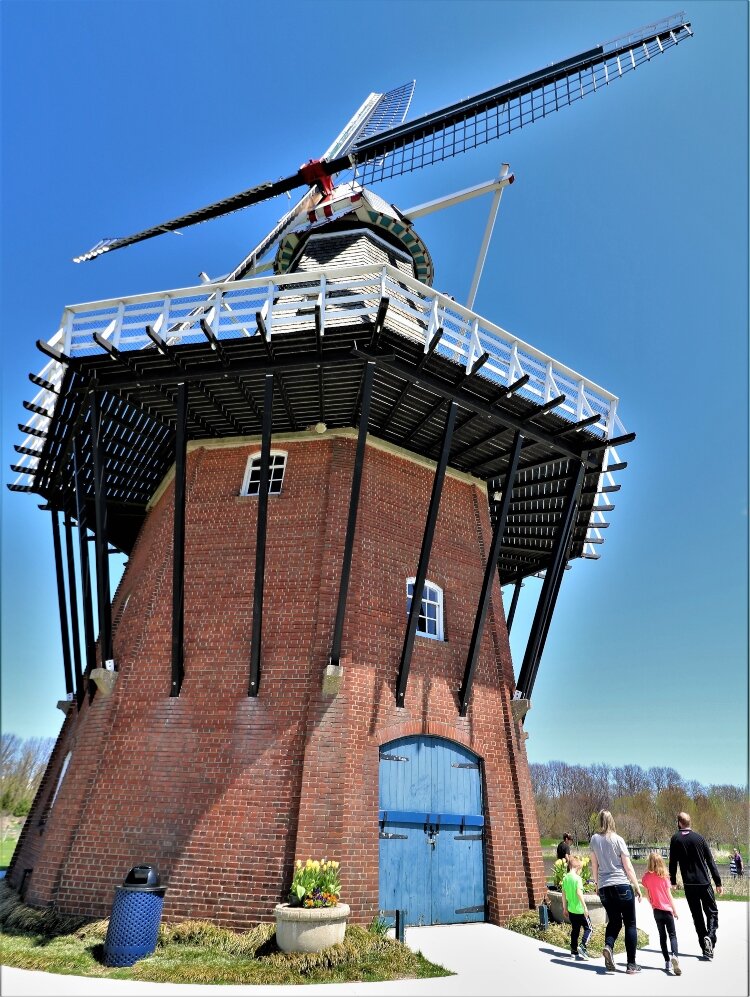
x: 144, y: 878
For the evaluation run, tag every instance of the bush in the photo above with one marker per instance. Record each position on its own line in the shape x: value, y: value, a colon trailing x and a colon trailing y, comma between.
x: 559, y: 934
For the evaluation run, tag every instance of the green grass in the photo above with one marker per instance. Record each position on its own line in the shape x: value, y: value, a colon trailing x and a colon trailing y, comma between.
x: 559, y: 934
x: 7, y: 847
x: 200, y: 952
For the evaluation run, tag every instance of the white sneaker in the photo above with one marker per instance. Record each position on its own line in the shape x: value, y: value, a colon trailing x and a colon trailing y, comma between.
x: 668, y: 968
x: 676, y: 966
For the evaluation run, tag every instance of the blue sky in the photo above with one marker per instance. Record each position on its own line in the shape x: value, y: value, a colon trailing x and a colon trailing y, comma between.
x: 622, y: 251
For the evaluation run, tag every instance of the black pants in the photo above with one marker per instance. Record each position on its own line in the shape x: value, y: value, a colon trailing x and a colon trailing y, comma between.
x: 577, y: 922
x: 702, y: 899
x: 665, y: 924
x: 619, y: 903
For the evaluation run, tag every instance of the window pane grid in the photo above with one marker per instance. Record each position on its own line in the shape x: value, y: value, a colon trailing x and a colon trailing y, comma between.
x: 430, y: 622
x: 276, y: 475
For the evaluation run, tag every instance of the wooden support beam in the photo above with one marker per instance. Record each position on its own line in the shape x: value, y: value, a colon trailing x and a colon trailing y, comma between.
x: 102, y: 556
x: 178, y: 546
x: 260, y: 544
x: 73, y: 597
x: 62, y: 603
x: 489, y: 576
x: 424, y: 557
x: 514, y: 603
x: 83, y: 559
x: 338, y: 630
x: 550, y: 588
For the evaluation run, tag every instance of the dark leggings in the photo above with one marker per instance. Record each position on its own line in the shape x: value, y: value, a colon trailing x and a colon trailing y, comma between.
x: 619, y: 903
x: 578, y: 921
x: 665, y: 924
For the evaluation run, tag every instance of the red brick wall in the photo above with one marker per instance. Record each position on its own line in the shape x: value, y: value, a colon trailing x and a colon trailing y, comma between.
x: 222, y: 792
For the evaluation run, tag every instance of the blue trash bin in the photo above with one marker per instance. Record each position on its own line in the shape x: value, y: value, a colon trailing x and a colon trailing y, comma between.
x: 136, y: 915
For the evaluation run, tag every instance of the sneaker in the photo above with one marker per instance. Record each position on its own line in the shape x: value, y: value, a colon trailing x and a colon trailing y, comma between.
x: 609, y: 962
x: 668, y: 968
x: 676, y: 966
x: 582, y: 956
x: 632, y: 969
x: 584, y: 951
x: 708, y: 948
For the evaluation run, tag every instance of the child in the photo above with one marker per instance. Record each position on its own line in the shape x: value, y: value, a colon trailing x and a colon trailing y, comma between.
x: 656, y: 882
x: 574, y: 908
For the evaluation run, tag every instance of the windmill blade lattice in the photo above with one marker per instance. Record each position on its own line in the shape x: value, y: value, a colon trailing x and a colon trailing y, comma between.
x: 481, y: 119
x: 446, y: 133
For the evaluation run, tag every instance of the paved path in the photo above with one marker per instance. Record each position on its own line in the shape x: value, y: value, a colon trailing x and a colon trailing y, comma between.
x: 488, y: 962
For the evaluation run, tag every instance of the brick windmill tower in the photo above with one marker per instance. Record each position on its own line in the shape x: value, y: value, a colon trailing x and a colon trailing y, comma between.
x: 287, y: 456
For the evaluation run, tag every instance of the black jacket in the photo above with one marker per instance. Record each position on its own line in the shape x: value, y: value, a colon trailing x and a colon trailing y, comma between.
x: 689, y: 849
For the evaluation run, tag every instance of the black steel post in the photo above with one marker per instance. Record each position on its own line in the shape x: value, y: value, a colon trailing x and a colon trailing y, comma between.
x: 73, y: 596
x: 61, y: 603
x: 489, y: 575
x: 178, y: 544
x: 260, y: 544
x: 569, y: 527
x: 550, y: 588
x: 102, y: 544
x: 424, y: 557
x: 514, y: 603
x: 83, y: 557
x: 359, y: 459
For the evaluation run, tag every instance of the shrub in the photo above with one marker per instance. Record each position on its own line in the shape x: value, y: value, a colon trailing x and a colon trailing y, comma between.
x: 315, y: 884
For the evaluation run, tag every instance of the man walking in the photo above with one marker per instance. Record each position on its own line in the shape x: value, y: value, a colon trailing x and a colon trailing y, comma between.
x: 690, y: 851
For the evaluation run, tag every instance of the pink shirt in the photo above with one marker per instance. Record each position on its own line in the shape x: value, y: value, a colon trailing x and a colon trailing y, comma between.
x: 658, y: 891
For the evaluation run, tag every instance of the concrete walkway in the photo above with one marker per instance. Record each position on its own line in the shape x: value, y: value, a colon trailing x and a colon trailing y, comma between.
x: 488, y: 961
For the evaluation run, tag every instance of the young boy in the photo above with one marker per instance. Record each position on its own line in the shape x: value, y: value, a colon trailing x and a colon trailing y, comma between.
x: 574, y: 908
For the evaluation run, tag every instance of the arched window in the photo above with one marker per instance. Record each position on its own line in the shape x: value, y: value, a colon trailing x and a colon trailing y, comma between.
x: 430, y: 622
x: 251, y: 482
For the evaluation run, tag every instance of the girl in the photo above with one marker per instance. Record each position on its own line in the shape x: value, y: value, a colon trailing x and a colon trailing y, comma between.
x: 656, y: 882
x: 617, y: 886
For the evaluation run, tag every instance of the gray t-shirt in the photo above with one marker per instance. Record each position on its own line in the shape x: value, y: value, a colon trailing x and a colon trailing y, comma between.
x: 608, y: 851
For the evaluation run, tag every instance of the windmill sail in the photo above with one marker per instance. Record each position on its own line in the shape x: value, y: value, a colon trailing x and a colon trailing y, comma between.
x: 473, y: 122
x: 454, y: 129
x: 380, y: 111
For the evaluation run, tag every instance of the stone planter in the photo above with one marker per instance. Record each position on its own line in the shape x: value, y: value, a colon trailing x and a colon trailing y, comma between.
x: 597, y: 913
x: 309, y: 929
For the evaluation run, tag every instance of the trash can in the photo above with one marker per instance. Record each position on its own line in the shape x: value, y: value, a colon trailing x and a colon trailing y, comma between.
x: 135, y: 918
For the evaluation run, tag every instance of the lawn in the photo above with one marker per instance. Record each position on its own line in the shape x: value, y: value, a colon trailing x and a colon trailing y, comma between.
x: 201, y: 952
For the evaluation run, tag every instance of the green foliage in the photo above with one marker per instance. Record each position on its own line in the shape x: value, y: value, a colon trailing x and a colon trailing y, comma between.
x: 559, y: 934
x: 200, y: 952
x: 315, y: 883
x: 378, y: 926
x: 561, y: 867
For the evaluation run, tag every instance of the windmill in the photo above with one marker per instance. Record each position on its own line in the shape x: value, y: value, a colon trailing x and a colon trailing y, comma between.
x: 288, y: 455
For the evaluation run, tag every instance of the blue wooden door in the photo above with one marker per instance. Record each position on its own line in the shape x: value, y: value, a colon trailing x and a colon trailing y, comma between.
x: 431, y: 831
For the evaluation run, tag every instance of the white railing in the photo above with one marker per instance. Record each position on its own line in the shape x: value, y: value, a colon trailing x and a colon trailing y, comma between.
x: 344, y: 295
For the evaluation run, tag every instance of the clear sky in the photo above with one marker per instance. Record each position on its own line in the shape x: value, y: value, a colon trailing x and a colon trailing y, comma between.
x: 622, y: 250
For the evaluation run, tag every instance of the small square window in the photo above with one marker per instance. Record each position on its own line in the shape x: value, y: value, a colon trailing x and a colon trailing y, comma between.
x: 430, y: 623
x: 277, y: 467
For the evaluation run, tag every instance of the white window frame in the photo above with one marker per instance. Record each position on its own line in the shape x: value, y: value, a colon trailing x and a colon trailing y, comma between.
x: 434, y: 598
x: 283, y: 454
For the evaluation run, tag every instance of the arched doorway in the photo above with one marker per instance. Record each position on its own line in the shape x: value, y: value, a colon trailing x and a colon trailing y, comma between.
x: 431, y: 818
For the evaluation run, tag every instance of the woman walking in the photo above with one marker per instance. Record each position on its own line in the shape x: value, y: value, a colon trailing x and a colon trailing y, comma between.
x: 617, y: 886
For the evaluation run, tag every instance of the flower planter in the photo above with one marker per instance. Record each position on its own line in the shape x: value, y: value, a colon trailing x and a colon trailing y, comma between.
x: 597, y: 913
x: 309, y: 929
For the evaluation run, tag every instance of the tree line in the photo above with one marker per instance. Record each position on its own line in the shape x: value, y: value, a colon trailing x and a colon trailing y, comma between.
x: 644, y: 802
x: 22, y: 765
